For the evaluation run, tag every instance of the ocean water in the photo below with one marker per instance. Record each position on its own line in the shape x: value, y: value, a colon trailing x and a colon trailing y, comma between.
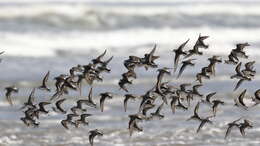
x: 39, y: 35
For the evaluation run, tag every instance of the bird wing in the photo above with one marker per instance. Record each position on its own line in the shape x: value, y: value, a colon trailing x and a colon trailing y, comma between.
x: 228, y: 131
x: 150, y: 59
x: 125, y: 103
x: 159, y: 108
x: 8, y: 97
x: 238, y: 84
x: 214, y: 108
x: 183, y: 45
x: 249, y: 65
x: 173, y: 105
x: 241, y: 97
x: 91, y: 138
x: 237, y: 120
x: 45, y: 79
x: 31, y: 96
x: 238, y: 68
x: 176, y: 61
x: 58, y: 104
x: 201, y: 125
x: 109, y: 60
x: 242, y: 131
x: 196, y: 109
x: 64, y: 124
x: 90, y: 94
x: 102, y: 100
x: 182, y: 69
x: 209, y: 96
x: 102, y: 55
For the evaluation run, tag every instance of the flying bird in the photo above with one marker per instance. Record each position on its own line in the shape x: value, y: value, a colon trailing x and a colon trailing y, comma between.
x: 178, y: 52
x: 9, y: 91
x: 93, y: 134
x: 44, y: 81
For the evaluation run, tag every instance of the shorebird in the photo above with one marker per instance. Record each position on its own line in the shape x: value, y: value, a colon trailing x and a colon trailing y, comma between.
x: 132, y: 62
x: 122, y: 82
x: 129, y: 74
x: 167, y: 89
x: 9, y: 91
x: 82, y: 120
x: 78, y: 69
x: 31, y: 113
x: 127, y: 97
x: 42, y: 108
x: 30, y: 100
x: 90, y: 101
x: 215, y: 59
x: 178, y: 52
x: 239, y: 74
x: 162, y: 72
x: 67, y: 121
x: 93, y: 134
x: 202, y: 74
x: 63, y: 82
x: 195, y: 115
x: 98, y: 59
x: 249, y: 69
x: 195, y: 91
x: 215, y: 105
x: 231, y: 126
x: 211, y: 67
x: 146, y: 97
x: 44, y: 81
x: 157, y: 112
x: 29, y: 122
x: 208, y: 97
x: 30, y: 116
x: 146, y: 107
x: 185, y: 64
x: 245, y: 125
x: 148, y: 60
x: 134, y: 127
x: 79, y: 107
x: 203, y: 122
x: 132, y: 124
x: 58, y: 107
x: 199, y: 44
x: 239, y: 50
x: 232, y: 59
x: 104, y: 96
x: 103, y: 67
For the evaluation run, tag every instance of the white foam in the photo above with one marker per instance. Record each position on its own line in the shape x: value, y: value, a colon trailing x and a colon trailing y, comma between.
x: 119, y: 42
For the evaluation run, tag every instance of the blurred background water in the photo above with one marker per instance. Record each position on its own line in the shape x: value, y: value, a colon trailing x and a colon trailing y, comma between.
x: 41, y: 35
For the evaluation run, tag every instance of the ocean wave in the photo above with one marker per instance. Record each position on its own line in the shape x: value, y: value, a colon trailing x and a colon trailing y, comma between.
x: 55, y: 17
x: 104, y: 22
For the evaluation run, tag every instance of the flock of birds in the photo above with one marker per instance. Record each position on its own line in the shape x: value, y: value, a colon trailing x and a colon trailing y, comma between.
x: 180, y: 97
